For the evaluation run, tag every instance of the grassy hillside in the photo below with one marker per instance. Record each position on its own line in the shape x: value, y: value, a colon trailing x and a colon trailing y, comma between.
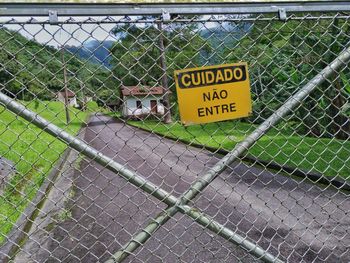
x: 325, y: 156
x: 34, y: 154
x: 31, y: 70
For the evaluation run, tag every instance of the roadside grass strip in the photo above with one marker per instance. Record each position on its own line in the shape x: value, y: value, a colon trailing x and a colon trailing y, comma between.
x: 280, y: 145
x: 33, y: 152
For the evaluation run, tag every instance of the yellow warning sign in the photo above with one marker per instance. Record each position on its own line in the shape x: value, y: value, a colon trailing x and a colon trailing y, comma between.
x: 214, y: 93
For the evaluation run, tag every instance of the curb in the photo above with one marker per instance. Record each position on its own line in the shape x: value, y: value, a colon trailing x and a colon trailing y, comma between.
x: 21, y: 228
x: 313, y: 176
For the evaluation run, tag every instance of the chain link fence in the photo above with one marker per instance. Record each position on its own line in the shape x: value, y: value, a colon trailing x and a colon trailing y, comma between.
x: 95, y: 165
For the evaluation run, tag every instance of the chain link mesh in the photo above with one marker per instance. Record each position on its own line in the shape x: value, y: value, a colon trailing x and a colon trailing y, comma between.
x: 109, y: 82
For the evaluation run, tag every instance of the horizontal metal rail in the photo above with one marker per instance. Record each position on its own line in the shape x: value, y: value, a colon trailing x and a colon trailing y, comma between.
x: 84, y: 9
x: 117, y: 20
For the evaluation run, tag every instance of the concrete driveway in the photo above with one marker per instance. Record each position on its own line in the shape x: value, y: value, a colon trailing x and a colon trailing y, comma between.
x: 294, y: 220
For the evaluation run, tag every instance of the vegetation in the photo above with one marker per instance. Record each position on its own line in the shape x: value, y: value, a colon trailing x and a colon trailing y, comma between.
x: 283, y: 57
x: 136, y: 57
x: 281, y: 145
x: 31, y: 70
x: 34, y: 154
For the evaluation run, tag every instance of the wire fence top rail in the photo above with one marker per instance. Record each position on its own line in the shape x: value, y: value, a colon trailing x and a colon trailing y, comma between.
x: 142, y: 183
x: 35, y: 9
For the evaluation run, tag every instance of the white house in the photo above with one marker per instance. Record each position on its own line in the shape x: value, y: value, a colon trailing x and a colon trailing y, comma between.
x: 141, y: 101
x: 72, y: 98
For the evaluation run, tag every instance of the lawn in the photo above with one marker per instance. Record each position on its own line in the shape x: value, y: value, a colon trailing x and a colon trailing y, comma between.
x: 281, y: 145
x: 34, y: 154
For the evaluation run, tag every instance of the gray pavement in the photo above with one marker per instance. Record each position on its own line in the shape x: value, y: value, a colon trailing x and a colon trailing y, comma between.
x: 297, y: 221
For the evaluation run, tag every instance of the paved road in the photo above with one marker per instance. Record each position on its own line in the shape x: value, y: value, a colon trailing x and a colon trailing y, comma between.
x: 298, y: 221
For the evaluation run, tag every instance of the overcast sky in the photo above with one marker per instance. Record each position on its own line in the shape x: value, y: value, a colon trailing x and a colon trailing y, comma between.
x: 70, y: 34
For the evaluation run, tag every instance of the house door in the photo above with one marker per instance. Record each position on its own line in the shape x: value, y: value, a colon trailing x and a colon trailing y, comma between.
x: 153, y: 106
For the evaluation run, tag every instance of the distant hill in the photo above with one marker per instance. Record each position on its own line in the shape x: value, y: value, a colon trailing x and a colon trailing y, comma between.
x: 31, y: 70
x: 223, y: 37
x: 219, y: 37
x: 94, y: 51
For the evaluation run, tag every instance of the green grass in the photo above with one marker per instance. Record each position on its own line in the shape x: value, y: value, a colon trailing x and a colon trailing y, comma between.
x: 34, y: 154
x: 281, y: 145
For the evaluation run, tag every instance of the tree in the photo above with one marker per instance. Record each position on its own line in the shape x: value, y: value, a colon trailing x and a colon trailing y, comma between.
x: 32, y: 70
x: 137, y: 56
x: 283, y: 57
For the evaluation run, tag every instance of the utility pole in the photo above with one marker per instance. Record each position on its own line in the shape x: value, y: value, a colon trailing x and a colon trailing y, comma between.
x: 166, y: 101
x: 82, y: 88
x: 66, y: 102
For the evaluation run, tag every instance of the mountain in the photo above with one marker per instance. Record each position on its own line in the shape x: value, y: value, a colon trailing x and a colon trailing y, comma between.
x: 219, y: 37
x: 29, y: 69
x: 94, y: 51
x: 223, y: 37
x: 226, y: 32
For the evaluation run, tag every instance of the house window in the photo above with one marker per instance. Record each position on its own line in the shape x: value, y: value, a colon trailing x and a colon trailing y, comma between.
x: 138, y: 104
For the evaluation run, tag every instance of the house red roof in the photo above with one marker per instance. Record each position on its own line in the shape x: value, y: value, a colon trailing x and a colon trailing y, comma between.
x: 70, y: 93
x: 141, y: 90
